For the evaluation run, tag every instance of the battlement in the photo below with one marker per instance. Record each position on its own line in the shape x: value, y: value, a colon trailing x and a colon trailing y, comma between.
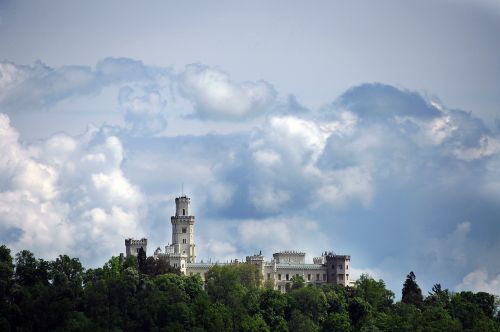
x: 255, y: 258
x: 331, y: 255
x: 290, y: 257
x: 182, y: 205
x: 290, y: 252
x: 319, y: 260
x: 181, y: 253
x: 132, y: 246
x: 134, y: 242
x: 176, y: 219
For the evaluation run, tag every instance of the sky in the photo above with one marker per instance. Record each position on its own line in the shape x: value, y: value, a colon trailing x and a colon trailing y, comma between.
x: 359, y: 127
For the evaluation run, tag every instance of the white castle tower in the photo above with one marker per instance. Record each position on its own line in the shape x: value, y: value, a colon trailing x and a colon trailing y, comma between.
x: 183, y: 229
x: 330, y: 268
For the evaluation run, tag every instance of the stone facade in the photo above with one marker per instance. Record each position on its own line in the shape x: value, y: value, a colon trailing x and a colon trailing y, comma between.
x: 132, y: 246
x: 327, y: 268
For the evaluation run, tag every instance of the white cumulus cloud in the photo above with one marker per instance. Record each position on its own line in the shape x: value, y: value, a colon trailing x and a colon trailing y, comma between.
x: 215, y: 95
x: 480, y: 281
x: 66, y: 195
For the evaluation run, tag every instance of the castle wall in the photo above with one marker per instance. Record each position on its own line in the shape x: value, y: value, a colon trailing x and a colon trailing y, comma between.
x: 329, y: 268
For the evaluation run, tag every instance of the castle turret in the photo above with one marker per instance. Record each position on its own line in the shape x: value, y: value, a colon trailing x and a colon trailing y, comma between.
x: 183, y: 229
x: 132, y: 246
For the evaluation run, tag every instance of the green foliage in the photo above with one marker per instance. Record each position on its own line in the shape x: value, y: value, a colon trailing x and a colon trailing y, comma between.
x: 411, y: 293
x: 301, y: 323
x: 337, y: 322
x: 310, y: 301
x: 60, y: 295
x: 374, y: 292
x: 297, y: 282
x: 359, y: 311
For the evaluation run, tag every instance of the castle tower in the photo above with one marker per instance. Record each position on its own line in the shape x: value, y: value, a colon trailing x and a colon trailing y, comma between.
x: 132, y: 246
x: 183, y: 229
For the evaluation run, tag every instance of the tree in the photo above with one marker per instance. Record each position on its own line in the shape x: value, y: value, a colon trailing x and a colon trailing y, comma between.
x: 475, y: 311
x: 297, y: 282
x: 310, y: 301
x: 374, y: 292
x: 253, y: 324
x: 141, y: 260
x: 436, y: 318
x: 6, y: 281
x: 302, y: 323
x: 26, y: 268
x: 6, y: 271
x: 438, y: 297
x: 272, y: 307
x: 66, y: 269
x: 411, y: 293
x: 337, y: 322
x: 359, y: 311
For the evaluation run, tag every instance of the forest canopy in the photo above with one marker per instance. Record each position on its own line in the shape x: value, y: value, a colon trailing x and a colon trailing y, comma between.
x: 127, y: 295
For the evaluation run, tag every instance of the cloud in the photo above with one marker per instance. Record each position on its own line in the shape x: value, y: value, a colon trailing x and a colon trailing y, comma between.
x: 215, y: 96
x: 143, y: 113
x: 66, y: 194
x: 452, y: 250
x: 379, y: 101
x: 479, y: 281
x: 39, y: 86
x: 220, y: 250
x: 275, y: 234
x: 344, y: 173
x: 378, y: 158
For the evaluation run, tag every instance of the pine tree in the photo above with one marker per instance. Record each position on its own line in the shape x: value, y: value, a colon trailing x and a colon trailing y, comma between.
x: 412, y: 294
x: 141, y: 260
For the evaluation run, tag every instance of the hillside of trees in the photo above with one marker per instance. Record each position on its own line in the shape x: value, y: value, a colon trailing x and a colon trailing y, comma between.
x: 123, y: 295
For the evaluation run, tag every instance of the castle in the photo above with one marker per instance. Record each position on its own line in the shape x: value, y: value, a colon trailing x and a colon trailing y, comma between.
x: 327, y: 268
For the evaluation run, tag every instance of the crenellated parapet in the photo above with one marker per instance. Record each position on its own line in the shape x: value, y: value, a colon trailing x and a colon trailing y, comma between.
x: 290, y: 257
x: 132, y: 246
x: 280, y: 272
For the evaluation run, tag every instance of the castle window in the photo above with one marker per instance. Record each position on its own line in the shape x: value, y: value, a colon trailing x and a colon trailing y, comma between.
x: 269, y: 276
x: 287, y: 278
x: 184, y: 241
x: 317, y: 277
x: 279, y: 276
x: 184, y: 229
x: 183, y: 212
x: 308, y: 277
x: 347, y: 267
x: 347, y: 276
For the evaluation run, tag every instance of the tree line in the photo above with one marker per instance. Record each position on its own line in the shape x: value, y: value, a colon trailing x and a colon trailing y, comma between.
x: 149, y: 295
